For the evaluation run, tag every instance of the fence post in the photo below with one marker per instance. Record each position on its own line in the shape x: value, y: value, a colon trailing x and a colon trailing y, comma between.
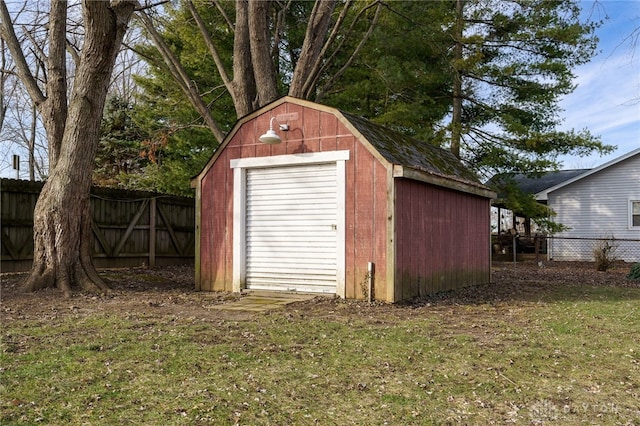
x: 152, y: 232
x: 16, y: 165
x: 514, y: 236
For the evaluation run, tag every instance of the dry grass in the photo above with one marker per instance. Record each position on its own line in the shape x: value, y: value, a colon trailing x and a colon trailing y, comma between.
x: 553, y: 345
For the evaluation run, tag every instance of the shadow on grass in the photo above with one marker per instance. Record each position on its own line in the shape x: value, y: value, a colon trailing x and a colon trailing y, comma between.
x: 178, y: 278
x: 553, y: 281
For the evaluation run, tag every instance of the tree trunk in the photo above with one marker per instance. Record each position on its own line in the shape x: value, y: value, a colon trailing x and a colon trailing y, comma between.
x: 62, y: 217
x: 55, y: 105
x: 32, y: 144
x: 243, y: 90
x: 3, y: 79
x: 317, y: 32
x: 456, y: 116
x: 264, y: 70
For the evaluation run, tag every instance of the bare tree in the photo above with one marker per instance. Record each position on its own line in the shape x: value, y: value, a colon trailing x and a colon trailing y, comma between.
x: 21, y: 130
x: 19, y: 124
x: 23, y: 133
x: 4, y: 74
x: 62, y: 221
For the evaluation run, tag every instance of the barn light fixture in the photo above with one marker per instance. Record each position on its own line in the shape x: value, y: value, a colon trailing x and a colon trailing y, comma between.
x: 271, y: 137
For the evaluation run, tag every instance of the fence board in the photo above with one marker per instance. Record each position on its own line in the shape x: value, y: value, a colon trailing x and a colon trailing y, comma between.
x: 130, y: 228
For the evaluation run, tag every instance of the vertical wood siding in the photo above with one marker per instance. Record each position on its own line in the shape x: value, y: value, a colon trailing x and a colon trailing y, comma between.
x: 313, y: 131
x: 441, y: 236
x: 442, y: 239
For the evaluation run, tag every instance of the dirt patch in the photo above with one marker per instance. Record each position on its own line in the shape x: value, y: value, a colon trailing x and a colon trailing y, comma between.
x: 135, y: 291
x: 512, y: 286
x: 171, y: 291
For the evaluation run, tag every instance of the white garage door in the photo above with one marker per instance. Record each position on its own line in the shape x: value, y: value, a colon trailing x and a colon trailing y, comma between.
x: 291, y: 228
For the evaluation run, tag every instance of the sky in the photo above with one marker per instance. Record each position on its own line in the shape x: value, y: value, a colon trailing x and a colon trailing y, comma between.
x: 607, y: 99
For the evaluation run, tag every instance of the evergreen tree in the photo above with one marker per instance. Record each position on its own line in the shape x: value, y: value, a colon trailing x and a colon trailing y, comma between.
x: 511, y: 65
x: 178, y: 140
x: 119, y: 147
x: 400, y: 78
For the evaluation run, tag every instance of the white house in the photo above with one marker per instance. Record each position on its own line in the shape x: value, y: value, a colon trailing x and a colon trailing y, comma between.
x: 603, y: 202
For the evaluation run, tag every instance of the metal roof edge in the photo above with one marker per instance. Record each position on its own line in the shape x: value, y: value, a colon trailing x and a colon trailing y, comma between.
x: 443, y: 181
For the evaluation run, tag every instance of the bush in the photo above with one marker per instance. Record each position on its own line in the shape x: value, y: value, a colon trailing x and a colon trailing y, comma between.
x: 604, y: 253
x: 634, y: 273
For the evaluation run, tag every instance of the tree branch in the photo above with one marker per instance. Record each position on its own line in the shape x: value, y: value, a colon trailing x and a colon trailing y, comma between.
x: 8, y: 34
x: 312, y: 45
x: 210, y: 45
x: 150, y: 6
x: 224, y: 14
x: 347, y: 64
x: 313, y: 75
x: 179, y: 74
x: 71, y: 49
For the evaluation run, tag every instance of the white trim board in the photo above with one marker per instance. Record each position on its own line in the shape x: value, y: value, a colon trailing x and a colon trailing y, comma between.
x: 240, y: 167
x: 290, y: 159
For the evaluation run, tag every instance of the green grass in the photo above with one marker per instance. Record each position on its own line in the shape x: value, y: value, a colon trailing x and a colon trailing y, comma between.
x: 567, y: 355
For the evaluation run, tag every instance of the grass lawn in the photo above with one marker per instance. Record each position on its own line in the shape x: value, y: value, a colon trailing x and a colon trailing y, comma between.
x: 522, y: 350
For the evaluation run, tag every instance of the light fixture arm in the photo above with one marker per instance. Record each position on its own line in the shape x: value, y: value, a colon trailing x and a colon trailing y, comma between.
x: 271, y: 137
x: 283, y: 127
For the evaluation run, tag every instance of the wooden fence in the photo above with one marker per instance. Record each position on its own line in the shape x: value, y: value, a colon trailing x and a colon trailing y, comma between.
x: 130, y: 228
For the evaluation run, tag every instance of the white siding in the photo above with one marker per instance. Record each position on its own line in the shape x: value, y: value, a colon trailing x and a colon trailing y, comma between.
x: 597, y: 206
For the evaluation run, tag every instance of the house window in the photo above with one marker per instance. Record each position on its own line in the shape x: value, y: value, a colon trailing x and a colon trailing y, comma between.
x: 634, y: 210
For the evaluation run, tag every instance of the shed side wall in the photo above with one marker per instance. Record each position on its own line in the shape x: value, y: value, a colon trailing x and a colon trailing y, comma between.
x: 442, y: 239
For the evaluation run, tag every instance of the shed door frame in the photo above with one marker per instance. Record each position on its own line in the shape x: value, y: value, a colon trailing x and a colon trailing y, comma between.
x: 240, y: 166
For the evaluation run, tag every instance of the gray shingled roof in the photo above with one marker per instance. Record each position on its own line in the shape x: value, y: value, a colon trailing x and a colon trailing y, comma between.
x: 533, y: 185
x: 409, y: 152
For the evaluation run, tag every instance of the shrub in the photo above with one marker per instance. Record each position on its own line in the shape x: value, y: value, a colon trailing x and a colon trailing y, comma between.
x: 634, y: 273
x: 604, y: 253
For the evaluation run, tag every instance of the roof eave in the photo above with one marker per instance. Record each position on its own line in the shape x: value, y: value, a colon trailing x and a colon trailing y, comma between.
x: 443, y: 181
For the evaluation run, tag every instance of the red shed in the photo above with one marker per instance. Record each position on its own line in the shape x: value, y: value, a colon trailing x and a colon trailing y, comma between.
x: 337, y: 195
